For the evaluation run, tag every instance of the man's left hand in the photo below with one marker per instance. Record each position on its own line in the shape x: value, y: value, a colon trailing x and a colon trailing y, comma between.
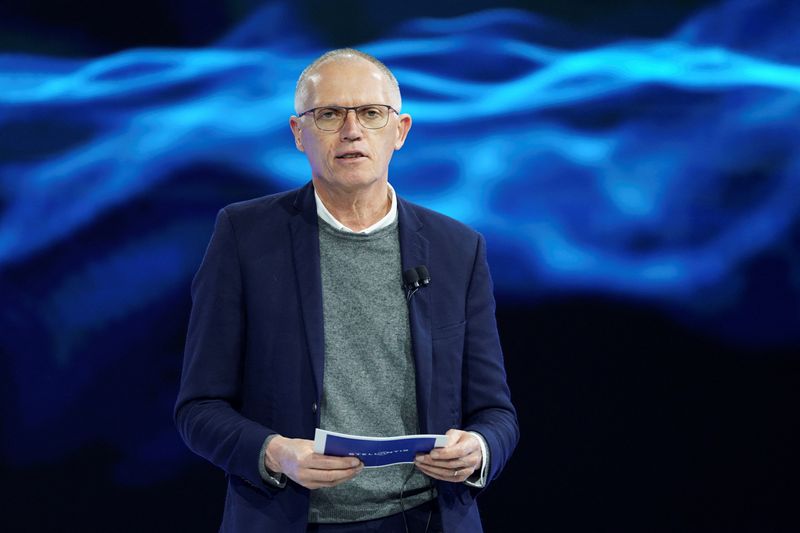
x: 456, y: 461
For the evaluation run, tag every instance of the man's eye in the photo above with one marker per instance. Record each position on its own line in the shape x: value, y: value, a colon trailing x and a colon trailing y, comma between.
x: 327, y: 114
x: 371, y: 112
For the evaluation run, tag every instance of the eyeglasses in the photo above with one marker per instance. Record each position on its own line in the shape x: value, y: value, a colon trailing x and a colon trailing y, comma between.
x: 331, y: 118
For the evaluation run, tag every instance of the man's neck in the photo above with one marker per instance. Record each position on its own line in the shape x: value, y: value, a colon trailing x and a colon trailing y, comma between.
x: 359, y: 209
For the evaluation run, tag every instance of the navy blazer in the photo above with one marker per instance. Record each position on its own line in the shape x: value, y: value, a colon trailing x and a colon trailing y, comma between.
x: 253, y: 362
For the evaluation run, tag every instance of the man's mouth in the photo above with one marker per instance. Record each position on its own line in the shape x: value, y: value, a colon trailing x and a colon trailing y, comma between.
x: 350, y: 155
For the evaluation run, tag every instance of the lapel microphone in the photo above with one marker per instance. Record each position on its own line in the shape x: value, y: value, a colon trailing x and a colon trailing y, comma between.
x: 414, y: 279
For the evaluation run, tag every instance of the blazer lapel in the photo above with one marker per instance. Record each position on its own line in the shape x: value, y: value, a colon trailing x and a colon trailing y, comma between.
x: 305, y: 247
x: 413, y: 253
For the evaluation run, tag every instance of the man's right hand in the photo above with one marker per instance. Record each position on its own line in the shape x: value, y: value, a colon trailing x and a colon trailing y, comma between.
x: 296, y: 459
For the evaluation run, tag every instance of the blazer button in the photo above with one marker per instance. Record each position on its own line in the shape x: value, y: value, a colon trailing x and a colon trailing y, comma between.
x: 314, y: 407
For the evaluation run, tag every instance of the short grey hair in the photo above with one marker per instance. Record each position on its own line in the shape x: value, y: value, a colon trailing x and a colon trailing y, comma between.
x: 300, y: 90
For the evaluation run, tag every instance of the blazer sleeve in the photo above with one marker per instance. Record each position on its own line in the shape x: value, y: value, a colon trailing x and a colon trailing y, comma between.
x: 206, y: 412
x: 486, y: 399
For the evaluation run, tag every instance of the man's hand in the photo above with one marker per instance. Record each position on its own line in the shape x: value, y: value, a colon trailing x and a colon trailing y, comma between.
x: 296, y: 459
x: 459, y: 458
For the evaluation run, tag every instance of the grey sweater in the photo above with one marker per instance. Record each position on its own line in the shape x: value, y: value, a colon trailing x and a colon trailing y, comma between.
x: 369, y: 381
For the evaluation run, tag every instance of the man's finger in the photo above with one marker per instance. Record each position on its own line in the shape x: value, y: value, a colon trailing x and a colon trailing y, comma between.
x: 333, y: 476
x: 315, y: 478
x: 469, y: 461
x: 330, y: 462
x: 459, y: 449
x: 451, y: 463
x: 446, y: 474
x: 453, y: 436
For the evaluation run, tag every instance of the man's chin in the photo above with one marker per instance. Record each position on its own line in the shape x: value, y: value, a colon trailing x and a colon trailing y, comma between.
x: 352, y: 181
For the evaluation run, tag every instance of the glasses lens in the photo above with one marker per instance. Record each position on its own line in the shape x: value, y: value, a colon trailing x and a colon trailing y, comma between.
x: 370, y: 116
x: 373, y: 116
x: 329, y: 118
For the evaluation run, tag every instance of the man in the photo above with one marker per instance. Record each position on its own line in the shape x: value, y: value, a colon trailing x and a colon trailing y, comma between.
x: 300, y: 320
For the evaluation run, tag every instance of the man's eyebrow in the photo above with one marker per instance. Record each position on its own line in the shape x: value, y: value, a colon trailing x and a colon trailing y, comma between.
x: 340, y: 105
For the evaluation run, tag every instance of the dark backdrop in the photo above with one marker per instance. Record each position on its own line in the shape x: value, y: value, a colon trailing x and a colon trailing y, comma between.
x: 634, y: 167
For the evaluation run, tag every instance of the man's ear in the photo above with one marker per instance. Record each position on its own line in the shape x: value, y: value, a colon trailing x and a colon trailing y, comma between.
x: 294, y: 123
x: 403, y: 125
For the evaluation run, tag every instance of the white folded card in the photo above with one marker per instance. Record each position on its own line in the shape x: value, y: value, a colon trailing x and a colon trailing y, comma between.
x: 376, y: 451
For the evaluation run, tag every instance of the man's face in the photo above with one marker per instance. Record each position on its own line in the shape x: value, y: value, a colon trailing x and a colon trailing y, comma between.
x: 349, y: 82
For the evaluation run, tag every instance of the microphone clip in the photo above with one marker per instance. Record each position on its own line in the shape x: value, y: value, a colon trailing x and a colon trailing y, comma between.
x: 415, y: 279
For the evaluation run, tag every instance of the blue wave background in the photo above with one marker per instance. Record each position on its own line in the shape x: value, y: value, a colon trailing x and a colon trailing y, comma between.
x: 662, y: 171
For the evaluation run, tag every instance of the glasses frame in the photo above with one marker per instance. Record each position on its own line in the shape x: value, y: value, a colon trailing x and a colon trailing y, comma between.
x: 346, y: 112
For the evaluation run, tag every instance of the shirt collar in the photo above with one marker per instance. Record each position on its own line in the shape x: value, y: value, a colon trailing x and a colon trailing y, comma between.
x: 391, y: 216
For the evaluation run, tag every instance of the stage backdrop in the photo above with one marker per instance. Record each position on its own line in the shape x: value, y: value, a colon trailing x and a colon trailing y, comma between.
x: 635, y: 168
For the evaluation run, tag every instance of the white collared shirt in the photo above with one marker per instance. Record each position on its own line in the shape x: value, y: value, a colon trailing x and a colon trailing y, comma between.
x: 389, y: 218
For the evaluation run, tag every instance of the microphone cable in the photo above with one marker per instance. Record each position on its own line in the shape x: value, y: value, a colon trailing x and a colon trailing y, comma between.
x: 402, y: 507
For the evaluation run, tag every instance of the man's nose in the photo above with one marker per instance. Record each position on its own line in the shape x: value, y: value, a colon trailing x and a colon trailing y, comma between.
x: 351, y: 129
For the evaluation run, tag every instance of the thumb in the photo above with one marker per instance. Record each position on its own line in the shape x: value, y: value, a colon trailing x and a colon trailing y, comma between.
x: 453, y: 436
